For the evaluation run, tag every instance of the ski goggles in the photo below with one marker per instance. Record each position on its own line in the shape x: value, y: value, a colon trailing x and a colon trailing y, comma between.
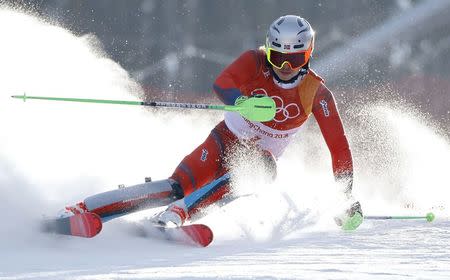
x: 295, y: 59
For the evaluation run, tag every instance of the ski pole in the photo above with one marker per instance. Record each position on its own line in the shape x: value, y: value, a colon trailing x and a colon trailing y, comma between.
x: 259, y: 109
x: 429, y: 217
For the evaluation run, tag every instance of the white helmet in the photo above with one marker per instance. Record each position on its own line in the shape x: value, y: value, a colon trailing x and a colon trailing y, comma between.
x: 290, y: 39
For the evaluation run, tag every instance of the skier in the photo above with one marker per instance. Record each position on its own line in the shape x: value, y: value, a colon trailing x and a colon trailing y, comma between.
x: 281, y: 71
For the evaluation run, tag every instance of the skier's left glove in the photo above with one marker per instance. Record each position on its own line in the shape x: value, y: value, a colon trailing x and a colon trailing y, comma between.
x: 352, y: 218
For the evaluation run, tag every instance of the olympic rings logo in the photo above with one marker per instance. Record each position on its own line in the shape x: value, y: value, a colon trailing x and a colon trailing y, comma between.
x: 294, y: 110
x: 290, y: 111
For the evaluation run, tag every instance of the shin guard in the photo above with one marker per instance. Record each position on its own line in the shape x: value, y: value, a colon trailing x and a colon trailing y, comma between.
x: 123, y: 201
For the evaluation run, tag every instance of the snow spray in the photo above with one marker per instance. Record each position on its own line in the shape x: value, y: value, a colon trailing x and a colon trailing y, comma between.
x: 53, y: 155
x: 59, y: 154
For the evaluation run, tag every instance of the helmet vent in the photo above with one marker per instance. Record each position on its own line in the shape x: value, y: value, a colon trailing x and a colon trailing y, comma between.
x: 299, y: 46
x: 276, y: 29
x: 299, y: 22
x: 276, y: 45
x: 280, y: 21
x: 302, y: 31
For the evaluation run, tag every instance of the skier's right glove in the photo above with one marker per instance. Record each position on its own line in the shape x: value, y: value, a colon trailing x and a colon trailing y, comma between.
x: 352, y: 218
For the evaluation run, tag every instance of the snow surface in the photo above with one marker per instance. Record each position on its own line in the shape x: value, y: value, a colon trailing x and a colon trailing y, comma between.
x: 54, y: 154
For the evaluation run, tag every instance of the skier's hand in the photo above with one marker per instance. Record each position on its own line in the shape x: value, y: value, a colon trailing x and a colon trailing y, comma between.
x: 352, y: 218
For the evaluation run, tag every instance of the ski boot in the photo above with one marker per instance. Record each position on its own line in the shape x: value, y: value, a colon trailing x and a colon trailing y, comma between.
x: 72, y: 210
x: 174, y: 216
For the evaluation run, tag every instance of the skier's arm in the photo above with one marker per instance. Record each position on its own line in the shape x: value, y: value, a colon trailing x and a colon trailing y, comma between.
x: 327, y: 116
x: 228, y: 83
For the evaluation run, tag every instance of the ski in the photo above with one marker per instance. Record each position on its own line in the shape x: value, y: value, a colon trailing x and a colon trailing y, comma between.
x: 83, y: 225
x: 194, y: 235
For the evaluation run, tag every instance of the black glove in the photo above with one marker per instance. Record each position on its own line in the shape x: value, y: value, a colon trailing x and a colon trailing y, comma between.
x: 352, y: 218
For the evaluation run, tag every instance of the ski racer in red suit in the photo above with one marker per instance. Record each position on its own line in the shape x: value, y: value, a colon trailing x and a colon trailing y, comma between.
x: 280, y: 71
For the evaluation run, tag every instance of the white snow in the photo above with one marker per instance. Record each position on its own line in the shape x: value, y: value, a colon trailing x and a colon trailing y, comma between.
x: 53, y: 154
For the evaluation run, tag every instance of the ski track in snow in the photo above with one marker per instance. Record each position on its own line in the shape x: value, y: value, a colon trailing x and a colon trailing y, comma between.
x: 52, y: 155
x: 417, y: 250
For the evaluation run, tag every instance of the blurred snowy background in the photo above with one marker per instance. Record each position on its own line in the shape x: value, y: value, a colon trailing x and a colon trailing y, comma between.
x: 366, y: 50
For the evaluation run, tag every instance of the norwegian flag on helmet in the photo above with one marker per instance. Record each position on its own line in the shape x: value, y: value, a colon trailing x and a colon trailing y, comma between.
x: 287, y: 47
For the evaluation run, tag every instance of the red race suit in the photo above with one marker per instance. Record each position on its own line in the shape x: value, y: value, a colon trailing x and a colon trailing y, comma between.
x: 248, y: 75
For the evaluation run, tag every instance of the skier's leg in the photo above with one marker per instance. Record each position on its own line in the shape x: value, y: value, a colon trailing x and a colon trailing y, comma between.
x: 217, y: 192
x: 206, y: 162
x: 197, y: 171
x: 123, y: 201
x: 198, y: 168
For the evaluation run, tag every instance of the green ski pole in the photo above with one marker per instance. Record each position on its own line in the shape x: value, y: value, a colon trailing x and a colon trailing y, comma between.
x: 260, y: 109
x: 429, y: 217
